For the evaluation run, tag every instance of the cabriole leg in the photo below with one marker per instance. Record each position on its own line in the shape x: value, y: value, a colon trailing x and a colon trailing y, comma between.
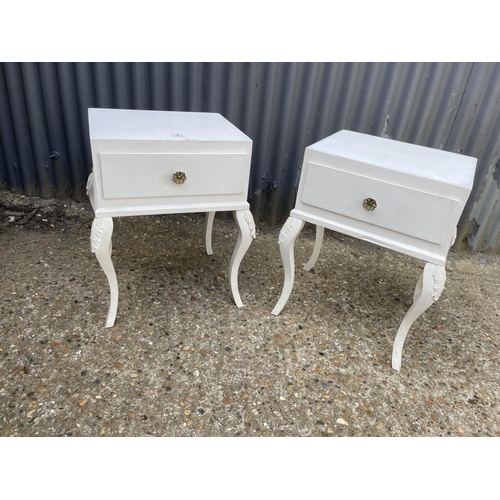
x: 418, y: 288
x: 320, y: 231
x: 209, y: 224
x: 100, y: 244
x: 246, y: 232
x: 288, y: 235
x: 428, y: 290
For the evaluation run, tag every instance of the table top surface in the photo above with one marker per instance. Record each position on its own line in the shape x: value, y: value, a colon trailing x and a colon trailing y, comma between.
x: 132, y: 124
x: 416, y: 160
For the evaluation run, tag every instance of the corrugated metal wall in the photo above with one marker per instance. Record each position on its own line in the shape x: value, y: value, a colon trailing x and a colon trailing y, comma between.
x: 476, y: 132
x: 283, y: 107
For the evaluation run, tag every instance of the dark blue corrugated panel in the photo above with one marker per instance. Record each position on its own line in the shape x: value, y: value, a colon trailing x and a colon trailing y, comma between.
x: 282, y: 107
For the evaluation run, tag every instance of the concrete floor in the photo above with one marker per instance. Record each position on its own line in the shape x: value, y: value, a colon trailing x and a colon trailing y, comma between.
x: 183, y: 360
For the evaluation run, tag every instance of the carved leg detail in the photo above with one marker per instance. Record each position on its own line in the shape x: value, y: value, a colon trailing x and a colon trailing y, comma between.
x: 100, y: 244
x: 427, y: 291
x: 288, y: 235
x: 246, y: 232
x: 209, y: 224
x: 320, y: 231
x: 90, y: 188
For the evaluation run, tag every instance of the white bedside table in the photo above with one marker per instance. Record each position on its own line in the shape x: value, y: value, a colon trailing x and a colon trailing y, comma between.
x: 163, y: 162
x: 400, y: 196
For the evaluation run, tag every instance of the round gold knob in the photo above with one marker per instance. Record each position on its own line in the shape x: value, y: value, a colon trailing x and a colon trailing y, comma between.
x: 369, y: 204
x: 179, y: 177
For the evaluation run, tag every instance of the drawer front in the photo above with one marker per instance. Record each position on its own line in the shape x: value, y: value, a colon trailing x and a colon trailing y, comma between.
x: 151, y: 175
x: 399, y: 208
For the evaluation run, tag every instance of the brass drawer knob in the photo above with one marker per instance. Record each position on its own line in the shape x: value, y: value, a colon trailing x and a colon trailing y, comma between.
x: 179, y: 177
x: 369, y: 204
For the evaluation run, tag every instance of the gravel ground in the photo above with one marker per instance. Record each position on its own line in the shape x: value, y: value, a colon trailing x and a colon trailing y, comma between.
x: 183, y: 360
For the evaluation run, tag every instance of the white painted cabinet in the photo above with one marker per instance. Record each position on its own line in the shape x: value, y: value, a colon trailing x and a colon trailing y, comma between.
x: 400, y: 196
x: 161, y: 162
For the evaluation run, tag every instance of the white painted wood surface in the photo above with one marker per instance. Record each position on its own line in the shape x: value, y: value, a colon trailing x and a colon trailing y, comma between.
x: 418, y: 193
x: 318, y: 242
x: 347, y: 190
x: 288, y: 235
x: 427, y: 291
x: 149, y: 176
x: 136, y: 157
x: 135, y: 154
x: 148, y: 125
x: 416, y: 213
x: 246, y: 232
x: 100, y: 244
x: 397, y: 156
x: 209, y: 224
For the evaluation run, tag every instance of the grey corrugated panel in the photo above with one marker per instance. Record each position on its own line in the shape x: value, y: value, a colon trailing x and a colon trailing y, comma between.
x: 74, y: 146
x: 282, y: 107
x: 103, y: 84
x: 36, y: 114
x: 9, y: 165
x: 185, y: 86
x: 141, y: 85
x: 427, y: 102
x: 122, y: 84
x: 159, y: 77
x: 58, y: 161
x: 20, y: 132
x: 86, y: 100
x: 477, y: 133
x: 411, y: 102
